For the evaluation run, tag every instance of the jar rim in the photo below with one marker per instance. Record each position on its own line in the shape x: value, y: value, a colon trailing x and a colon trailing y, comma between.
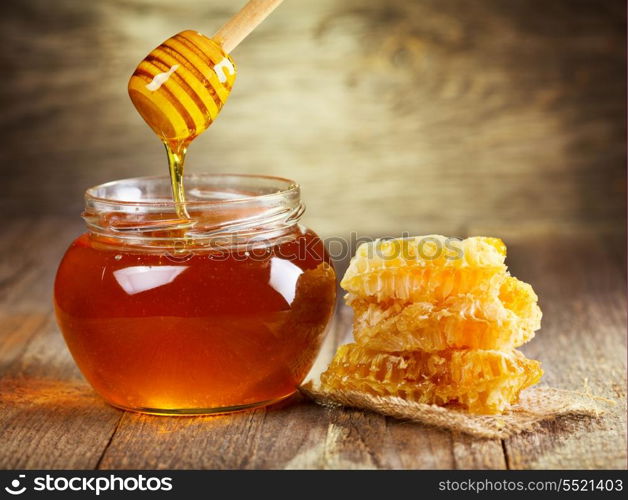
x: 237, y: 207
x: 290, y: 187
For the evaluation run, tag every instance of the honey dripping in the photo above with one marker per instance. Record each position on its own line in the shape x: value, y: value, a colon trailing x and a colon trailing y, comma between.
x: 176, y: 165
x: 179, y: 89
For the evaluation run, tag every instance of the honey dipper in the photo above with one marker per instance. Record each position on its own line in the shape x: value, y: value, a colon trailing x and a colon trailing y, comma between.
x: 181, y: 86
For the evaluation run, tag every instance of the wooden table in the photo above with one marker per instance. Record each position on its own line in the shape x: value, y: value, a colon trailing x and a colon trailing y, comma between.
x: 50, y: 417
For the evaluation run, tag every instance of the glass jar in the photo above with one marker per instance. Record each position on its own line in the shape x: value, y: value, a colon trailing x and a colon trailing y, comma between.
x: 216, y: 312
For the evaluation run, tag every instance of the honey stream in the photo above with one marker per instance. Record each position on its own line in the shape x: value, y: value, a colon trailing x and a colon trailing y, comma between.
x: 176, y: 166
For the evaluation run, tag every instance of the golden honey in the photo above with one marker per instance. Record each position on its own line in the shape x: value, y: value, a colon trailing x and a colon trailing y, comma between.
x: 215, y: 328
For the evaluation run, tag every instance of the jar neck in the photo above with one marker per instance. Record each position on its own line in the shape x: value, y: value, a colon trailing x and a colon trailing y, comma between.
x: 225, y: 211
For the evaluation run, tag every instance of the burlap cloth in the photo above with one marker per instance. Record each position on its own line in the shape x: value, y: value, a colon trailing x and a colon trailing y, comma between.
x: 536, y: 405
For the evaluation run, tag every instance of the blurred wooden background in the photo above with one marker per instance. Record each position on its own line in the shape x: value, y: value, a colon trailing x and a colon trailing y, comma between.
x: 394, y: 115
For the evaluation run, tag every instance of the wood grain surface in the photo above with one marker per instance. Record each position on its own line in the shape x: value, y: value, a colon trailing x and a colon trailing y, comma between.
x: 394, y: 115
x: 50, y: 417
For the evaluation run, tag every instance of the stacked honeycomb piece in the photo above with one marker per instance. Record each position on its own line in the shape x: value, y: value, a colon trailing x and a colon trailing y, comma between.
x: 437, y: 321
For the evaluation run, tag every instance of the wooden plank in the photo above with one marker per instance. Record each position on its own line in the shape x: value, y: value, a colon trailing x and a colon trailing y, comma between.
x: 582, y: 346
x: 411, y: 446
x: 49, y: 416
x: 27, y: 268
x: 296, y: 435
x: 265, y: 438
x: 472, y: 453
x: 17, y: 331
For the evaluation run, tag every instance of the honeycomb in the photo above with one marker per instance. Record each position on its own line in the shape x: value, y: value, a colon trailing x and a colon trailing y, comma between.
x: 479, y: 381
x: 500, y: 321
x: 436, y: 321
x: 425, y: 268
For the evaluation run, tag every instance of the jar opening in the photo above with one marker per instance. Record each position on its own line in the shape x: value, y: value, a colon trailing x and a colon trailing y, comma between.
x: 221, y: 206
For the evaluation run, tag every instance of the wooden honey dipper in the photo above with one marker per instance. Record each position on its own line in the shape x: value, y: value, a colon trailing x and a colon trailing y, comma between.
x: 182, y: 85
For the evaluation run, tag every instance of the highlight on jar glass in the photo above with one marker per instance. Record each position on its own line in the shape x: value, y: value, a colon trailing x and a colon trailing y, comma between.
x: 220, y: 312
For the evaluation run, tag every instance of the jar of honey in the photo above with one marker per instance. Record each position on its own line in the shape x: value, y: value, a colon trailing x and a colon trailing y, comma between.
x: 221, y: 310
